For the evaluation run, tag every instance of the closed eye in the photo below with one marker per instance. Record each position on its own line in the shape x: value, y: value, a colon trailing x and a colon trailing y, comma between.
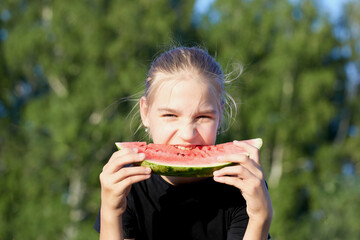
x: 205, y: 116
x: 169, y: 115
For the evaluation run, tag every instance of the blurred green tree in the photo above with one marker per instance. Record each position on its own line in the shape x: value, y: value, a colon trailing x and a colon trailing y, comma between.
x: 293, y: 94
x: 73, y: 63
x: 70, y: 70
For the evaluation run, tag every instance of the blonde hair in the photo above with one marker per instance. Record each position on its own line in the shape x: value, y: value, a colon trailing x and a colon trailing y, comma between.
x: 182, y: 59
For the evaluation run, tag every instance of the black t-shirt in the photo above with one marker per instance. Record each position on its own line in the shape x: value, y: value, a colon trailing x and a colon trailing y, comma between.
x: 204, y: 210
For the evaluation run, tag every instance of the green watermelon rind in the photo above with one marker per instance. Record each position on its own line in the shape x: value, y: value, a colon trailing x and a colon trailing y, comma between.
x: 187, y: 171
x: 183, y: 171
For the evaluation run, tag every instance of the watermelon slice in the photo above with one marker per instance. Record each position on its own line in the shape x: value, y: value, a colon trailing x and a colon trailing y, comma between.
x: 185, y: 161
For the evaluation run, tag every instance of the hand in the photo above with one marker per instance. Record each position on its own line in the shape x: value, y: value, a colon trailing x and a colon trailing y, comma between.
x: 247, y: 176
x: 116, y: 180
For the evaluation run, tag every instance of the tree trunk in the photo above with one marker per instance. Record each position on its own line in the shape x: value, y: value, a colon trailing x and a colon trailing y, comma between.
x: 76, y: 196
x: 278, y: 151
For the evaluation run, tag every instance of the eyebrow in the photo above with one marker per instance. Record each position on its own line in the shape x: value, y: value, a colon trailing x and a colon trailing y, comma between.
x: 166, y: 110
x: 207, y: 111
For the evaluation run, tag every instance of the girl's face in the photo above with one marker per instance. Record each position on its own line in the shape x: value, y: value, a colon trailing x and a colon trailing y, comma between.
x: 182, y: 112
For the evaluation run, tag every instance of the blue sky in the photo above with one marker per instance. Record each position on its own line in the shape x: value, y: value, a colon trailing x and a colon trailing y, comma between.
x: 331, y: 7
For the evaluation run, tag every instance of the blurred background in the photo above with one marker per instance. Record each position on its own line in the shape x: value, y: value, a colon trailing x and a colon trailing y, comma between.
x: 67, y: 68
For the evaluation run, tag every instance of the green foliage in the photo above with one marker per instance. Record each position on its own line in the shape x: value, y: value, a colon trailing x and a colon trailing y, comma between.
x: 67, y: 69
x: 288, y: 95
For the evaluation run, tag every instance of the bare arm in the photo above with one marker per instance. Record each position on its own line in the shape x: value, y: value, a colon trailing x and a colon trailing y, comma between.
x: 248, y: 177
x: 111, y: 228
x: 257, y: 230
x: 116, y: 183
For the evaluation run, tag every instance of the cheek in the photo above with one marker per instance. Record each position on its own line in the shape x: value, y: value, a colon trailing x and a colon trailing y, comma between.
x: 161, y: 132
x: 208, y: 132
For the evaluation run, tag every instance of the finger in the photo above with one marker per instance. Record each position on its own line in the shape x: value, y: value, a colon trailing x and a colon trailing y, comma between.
x: 245, y: 161
x: 250, y: 149
x: 130, y: 171
x: 238, y: 176
x: 122, y: 152
x: 122, y: 186
x: 233, y: 181
x: 234, y: 171
x: 118, y: 160
x: 115, y: 157
x: 112, y: 182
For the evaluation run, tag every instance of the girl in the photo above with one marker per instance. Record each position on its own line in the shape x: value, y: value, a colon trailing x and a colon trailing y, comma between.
x: 183, y: 104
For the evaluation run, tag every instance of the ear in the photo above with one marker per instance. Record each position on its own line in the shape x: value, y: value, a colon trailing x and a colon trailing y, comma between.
x: 144, y: 108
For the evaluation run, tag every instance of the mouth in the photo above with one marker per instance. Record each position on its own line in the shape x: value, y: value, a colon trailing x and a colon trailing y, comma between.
x: 183, y: 147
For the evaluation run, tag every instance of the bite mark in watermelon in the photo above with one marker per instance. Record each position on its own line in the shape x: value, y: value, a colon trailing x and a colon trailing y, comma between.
x: 178, y: 160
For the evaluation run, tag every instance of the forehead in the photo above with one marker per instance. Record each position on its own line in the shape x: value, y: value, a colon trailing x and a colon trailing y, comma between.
x: 185, y: 91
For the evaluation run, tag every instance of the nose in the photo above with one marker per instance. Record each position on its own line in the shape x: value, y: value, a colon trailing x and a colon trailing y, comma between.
x: 188, y: 132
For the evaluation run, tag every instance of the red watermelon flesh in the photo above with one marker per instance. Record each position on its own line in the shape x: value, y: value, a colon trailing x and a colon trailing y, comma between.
x: 186, y: 161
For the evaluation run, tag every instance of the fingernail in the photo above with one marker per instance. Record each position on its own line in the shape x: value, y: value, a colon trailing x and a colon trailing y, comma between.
x: 148, y: 170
